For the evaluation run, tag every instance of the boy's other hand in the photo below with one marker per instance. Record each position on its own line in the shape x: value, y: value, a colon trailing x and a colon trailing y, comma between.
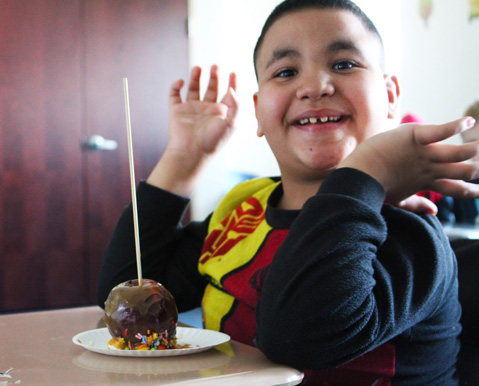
x: 413, y: 157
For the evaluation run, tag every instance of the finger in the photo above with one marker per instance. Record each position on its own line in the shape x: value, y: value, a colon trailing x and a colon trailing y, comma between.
x: 175, y: 96
x: 427, y: 134
x: 194, y: 85
x: 457, y: 189
x: 418, y: 204
x: 231, y: 101
x: 453, y: 153
x: 212, y: 91
x: 232, y: 81
x: 465, y: 171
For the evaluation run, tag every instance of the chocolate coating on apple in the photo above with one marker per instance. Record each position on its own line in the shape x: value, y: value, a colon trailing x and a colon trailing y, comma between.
x: 132, y: 311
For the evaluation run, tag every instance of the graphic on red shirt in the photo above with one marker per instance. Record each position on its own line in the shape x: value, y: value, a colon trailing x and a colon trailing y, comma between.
x: 235, y: 227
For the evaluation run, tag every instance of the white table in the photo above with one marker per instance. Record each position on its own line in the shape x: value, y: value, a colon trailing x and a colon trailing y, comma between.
x: 36, y: 348
x: 470, y: 232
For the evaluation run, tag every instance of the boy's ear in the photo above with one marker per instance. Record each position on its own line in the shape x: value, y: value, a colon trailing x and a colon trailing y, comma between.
x: 259, y: 133
x: 393, y: 90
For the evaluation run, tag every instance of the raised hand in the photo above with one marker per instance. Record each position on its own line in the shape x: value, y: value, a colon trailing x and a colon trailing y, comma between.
x: 412, y: 158
x: 199, y: 125
x: 196, y: 128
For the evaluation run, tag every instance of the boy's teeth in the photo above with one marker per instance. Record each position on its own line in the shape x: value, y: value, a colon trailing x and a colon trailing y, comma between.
x: 305, y: 121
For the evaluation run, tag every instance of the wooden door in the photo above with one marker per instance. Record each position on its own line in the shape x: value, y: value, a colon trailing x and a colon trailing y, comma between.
x: 61, y: 69
x: 41, y: 196
x: 150, y: 49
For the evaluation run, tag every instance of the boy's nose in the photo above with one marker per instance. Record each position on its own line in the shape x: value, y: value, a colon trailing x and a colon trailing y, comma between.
x: 315, y: 87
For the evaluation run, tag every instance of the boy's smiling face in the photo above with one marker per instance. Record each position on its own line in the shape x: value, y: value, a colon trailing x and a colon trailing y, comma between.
x: 322, y: 90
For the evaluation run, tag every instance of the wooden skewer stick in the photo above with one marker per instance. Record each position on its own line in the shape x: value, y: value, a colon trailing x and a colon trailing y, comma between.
x: 132, y: 182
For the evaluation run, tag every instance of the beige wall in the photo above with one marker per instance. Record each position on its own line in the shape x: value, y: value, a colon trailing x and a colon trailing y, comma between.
x: 440, y: 69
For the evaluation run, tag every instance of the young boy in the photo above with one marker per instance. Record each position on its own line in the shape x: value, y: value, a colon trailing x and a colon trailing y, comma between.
x: 312, y: 267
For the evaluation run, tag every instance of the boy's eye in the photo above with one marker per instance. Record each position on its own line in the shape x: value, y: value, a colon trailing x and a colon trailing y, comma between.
x: 285, y: 73
x: 344, y: 65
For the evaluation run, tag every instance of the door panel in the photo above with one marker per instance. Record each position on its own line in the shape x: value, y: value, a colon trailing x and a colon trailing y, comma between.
x: 149, y: 48
x: 61, y: 69
x: 41, y: 227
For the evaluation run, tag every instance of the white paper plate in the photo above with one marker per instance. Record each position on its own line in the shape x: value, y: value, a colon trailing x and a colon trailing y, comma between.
x: 198, y: 339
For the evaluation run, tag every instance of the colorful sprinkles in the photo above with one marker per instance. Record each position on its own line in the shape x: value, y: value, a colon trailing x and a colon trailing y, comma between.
x: 155, y: 341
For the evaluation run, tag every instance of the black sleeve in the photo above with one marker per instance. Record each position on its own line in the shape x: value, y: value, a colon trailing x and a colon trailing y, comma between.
x: 343, y: 283
x: 169, y: 251
x: 467, y: 252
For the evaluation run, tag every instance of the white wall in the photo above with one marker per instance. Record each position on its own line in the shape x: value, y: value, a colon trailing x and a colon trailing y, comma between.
x: 224, y: 32
x: 440, y: 75
x: 437, y: 67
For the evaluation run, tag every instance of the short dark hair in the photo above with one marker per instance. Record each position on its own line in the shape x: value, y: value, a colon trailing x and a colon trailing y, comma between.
x: 290, y: 6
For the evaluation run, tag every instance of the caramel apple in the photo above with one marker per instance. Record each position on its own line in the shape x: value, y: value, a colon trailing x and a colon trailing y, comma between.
x: 141, y: 317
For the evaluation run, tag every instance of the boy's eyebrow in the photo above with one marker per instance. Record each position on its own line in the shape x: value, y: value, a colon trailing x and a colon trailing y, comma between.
x: 343, y: 45
x: 282, y: 53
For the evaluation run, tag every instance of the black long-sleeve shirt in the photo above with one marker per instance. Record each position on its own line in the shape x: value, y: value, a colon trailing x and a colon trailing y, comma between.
x: 353, y: 283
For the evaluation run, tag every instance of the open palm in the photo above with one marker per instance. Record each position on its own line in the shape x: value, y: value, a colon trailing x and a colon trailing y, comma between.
x: 196, y: 125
